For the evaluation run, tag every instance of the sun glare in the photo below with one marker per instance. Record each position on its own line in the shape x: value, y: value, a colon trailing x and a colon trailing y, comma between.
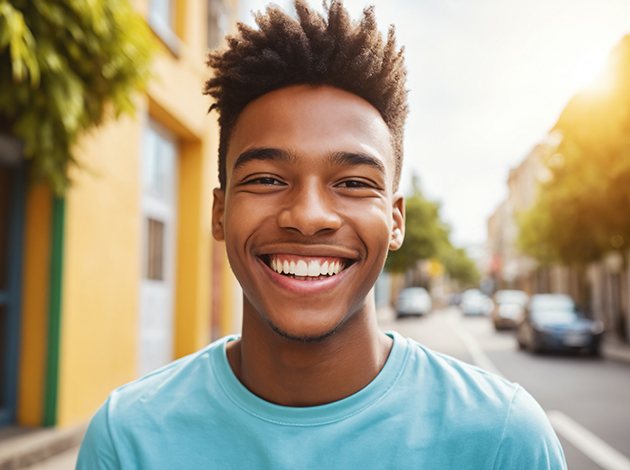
x: 590, y: 73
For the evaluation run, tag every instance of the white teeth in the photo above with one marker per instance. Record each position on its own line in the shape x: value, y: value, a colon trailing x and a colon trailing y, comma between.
x: 301, y: 268
x: 311, y: 268
x: 323, y: 270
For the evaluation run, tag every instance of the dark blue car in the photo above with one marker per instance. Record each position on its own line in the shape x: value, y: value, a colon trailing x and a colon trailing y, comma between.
x: 553, y: 323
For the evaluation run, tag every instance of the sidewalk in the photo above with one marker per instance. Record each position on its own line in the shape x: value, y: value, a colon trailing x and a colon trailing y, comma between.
x: 28, y: 447
x: 614, y: 349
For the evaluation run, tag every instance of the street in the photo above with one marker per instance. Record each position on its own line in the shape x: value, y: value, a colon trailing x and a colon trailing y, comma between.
x: 586, y: 399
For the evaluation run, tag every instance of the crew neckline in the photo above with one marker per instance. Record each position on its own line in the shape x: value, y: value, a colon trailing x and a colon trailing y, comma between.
x: 310, y: 415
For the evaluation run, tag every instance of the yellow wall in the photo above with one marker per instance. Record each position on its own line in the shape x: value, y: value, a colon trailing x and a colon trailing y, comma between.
x: 100, y: 310
x: 102, y: 236
x: 101, y: 271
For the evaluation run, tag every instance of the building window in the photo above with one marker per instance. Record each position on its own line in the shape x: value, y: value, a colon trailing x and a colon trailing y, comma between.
x: 218, y: 22
x: 162, y: 21
x: 155, y: 250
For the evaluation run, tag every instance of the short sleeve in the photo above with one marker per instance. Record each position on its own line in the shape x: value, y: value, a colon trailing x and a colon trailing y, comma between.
x: 528, y: 441
x: 97, y: 450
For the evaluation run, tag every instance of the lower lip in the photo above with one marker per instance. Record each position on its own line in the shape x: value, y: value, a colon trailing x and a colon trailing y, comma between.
x: 304, y: 287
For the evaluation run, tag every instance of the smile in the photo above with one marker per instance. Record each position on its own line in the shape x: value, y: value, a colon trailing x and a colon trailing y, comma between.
x: 306, y: 267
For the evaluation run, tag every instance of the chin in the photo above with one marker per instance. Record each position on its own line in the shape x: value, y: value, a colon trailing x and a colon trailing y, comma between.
x: 306, y: 333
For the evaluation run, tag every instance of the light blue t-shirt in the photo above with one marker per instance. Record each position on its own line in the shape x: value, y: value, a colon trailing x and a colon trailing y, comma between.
x: 424, y: 410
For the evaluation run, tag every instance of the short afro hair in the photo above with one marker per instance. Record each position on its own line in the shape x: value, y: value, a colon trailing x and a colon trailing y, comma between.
x: 313, y: 49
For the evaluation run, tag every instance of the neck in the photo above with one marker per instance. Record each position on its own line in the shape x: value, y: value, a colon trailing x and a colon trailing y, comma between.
x: 295, y: 373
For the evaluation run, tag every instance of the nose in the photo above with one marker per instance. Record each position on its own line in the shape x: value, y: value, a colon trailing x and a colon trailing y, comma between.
x: 309, y: 211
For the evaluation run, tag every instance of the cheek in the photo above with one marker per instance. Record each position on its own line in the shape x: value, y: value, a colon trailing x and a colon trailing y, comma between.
x: 373, y: 225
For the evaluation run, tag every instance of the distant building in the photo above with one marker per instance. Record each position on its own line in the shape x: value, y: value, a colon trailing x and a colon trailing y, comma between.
x: 507, y: 266
x: 121, y: 276
x: 601, y: 289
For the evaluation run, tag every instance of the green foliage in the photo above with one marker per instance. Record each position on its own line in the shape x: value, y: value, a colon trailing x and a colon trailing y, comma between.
x: 582, y: 211
x: 424, y: 234
x: 427, y: 237
x: 459, y: 266
x: 61, y: 65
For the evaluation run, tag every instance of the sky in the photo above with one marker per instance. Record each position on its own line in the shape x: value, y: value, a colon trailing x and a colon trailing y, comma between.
x: 487, y: 79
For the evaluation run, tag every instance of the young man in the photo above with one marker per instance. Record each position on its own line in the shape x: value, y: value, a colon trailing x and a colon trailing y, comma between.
x: 311, y: 114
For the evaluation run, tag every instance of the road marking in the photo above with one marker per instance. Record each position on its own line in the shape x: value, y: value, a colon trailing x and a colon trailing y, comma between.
x: 588, y: 443
x: 479, y: 357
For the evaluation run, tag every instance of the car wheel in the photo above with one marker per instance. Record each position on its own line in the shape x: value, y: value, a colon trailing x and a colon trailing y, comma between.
x: 534, y: 348
x: 595, y: 351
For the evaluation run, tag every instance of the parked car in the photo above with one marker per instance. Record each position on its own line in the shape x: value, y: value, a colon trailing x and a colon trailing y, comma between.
x: 553, y: 323
x: 509, y: 308
x: 414, y: 301
x: 475, y: 302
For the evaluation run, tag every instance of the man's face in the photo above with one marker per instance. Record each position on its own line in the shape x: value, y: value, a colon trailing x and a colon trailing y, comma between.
x: 308, y: 212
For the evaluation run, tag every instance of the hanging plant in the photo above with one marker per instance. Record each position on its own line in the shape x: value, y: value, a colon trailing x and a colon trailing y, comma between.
x: 62, y: 64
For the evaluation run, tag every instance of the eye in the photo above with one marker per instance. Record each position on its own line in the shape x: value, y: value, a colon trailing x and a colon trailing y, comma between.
x: 355, y: 184
x: 265, y: 181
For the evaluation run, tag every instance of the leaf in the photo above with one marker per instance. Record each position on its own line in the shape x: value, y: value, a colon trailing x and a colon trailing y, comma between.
x: 61, y: 65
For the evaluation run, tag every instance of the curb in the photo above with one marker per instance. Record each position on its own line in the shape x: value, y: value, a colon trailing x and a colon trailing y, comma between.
x: 616, y: 353
x: 28, y: 447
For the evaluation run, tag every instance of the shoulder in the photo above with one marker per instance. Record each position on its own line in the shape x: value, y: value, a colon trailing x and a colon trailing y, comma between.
x: 458, y: 380
x: 139, y: 406
x: 488, y: 408
x: 189, y: 374
x: 528, y: 441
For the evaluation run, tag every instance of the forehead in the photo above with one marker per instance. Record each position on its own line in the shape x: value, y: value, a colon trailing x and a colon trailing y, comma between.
x: 312, y: 121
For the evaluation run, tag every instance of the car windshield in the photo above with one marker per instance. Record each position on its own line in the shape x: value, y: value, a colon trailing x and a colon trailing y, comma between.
x: 412, y: 293
x: 553, y: 309
x: 511, y: 297
x: 554, y: 316
x: 552, y: 302
x: 472, y: 294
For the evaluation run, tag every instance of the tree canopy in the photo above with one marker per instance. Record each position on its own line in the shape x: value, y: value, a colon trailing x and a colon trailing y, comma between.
x: 427, y: 237
x: 582, y: 211
x: 61, y: 65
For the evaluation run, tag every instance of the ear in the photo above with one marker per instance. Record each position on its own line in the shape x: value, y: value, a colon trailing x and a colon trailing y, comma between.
x: 397, y: 234
x: 218, y: 209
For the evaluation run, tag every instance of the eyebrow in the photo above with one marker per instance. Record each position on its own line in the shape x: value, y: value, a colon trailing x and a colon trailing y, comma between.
x: 262, y: 153
x: 355, y: 159
x: 335, y: 158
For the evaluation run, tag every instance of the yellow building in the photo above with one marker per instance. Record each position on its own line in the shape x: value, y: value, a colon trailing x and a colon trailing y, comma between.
x: 120, y: 276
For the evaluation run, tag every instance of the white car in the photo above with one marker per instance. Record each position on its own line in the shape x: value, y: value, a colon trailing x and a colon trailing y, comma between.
x: 475, y: 302
x: 414, y: 301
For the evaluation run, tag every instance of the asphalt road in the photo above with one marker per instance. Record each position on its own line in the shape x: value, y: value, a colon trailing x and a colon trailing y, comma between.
x: 586, y: 399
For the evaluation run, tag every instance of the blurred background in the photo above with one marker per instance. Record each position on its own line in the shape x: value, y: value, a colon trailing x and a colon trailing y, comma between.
x: 516, y: 176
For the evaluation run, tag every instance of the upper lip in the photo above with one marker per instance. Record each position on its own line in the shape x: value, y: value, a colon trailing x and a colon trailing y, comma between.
x: 318, y: 250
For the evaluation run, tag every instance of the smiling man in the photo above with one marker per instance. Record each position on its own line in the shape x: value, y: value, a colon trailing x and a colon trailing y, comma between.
x: 311, y: 114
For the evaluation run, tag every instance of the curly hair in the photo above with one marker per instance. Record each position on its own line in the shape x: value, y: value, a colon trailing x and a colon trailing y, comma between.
x: 316, y: 49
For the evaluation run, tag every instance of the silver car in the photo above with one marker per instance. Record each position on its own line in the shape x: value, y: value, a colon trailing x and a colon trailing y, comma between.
x: 413, y: 301
x: 509, y: 308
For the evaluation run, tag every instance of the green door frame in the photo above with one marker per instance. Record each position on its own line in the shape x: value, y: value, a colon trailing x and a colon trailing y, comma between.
x: 12, y: 296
